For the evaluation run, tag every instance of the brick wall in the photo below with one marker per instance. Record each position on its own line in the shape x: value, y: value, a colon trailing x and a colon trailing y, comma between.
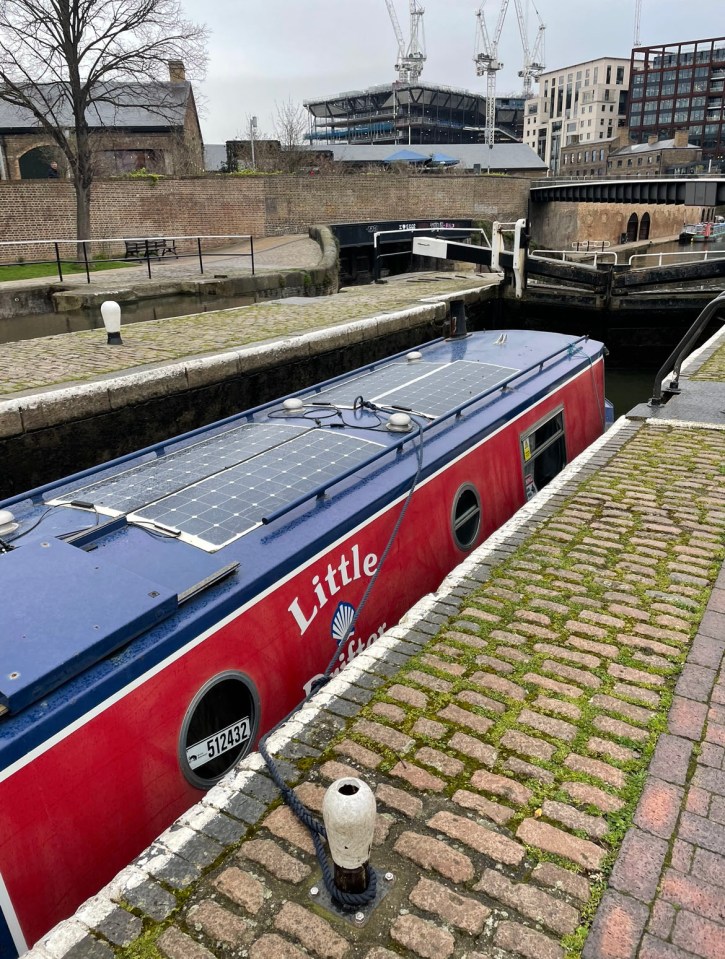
x: 558, y: 225
x: 265, y: 205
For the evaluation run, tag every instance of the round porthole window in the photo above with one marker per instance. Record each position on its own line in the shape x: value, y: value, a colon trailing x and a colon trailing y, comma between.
x: 466, y: 516
x: 219, y: 728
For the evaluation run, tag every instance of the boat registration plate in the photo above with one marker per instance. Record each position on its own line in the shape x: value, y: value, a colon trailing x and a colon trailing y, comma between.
x: 221, y: 742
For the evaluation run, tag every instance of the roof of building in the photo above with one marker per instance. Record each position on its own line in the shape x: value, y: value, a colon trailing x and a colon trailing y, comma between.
x: 502, y: 156
x: 118, y: 105
x: 658, y: 145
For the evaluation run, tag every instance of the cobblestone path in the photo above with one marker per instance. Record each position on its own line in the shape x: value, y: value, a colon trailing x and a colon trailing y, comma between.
x: 72, y: 357
x: 512, y: 736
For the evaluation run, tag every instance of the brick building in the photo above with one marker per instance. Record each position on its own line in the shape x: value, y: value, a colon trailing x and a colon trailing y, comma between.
x: 153, y: 126
x: 618, y: 156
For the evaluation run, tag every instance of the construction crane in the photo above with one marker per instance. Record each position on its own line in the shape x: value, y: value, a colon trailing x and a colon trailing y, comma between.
x: 488, y: 63
x: 637, y: 21
x: 533, y: 56
x: 411, y: 57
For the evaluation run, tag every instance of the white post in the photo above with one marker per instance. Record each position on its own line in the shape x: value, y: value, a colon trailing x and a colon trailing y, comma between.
x: 519, y: 258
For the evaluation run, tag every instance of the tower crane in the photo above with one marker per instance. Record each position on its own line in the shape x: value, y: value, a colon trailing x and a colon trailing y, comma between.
x: 488, y: 63
x: 533, y: 56
x: 411, y: 58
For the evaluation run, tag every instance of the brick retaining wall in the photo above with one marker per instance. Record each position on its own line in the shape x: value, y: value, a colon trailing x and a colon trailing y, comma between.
x: 261, y: 206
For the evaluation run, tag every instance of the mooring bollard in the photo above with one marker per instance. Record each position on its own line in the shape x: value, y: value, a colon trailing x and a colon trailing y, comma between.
x: 458, y: 320
x: 348, y: 811
x: 111, y: 313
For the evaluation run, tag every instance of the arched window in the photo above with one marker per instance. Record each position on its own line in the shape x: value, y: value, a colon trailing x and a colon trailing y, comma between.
x: 632, y: 228
x: 644, y: 227
x: 34, y: 164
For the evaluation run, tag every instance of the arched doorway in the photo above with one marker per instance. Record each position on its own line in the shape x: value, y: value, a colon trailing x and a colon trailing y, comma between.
x: 644, y: 227
x: 34, y: 164
x: 632, y: 228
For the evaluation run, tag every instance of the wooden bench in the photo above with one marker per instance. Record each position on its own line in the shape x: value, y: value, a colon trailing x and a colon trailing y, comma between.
x: 139, y: 249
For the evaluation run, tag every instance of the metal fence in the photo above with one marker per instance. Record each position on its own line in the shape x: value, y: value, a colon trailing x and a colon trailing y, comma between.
x: 164, y: 252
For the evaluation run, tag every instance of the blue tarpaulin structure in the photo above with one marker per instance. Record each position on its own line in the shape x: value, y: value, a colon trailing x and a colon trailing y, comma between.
x: 406, y: 156
x: 442, y: 159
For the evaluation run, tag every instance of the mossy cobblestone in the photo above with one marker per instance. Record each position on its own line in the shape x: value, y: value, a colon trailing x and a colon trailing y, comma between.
x: 533, y: 741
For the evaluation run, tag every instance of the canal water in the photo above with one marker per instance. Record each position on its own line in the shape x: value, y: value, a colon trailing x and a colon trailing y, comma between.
x: 32, y: 326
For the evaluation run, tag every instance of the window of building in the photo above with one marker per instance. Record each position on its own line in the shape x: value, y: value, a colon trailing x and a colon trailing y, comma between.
x: 609, y: 74
x: 629, y: 162
x: 611, y: 109
x: 668, y: 89
x: 596, y: 75
x: 620, y: 75
x: 639, y: 161
x: 680, y: 116
x: 619, y: 162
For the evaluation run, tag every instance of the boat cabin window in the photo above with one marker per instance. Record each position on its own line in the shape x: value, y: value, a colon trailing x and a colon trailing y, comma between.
x: 219, y: 728
x: 466, y: 516
x: 543, y: 452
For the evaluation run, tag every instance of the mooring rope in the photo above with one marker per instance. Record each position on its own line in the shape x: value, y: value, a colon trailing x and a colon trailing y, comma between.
x: 317, y: 828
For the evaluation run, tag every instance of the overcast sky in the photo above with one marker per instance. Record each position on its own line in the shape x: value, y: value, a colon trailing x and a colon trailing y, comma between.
x: 268, y: 53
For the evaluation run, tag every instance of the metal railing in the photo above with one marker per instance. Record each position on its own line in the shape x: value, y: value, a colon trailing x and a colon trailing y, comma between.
x: 602, y: 256
x: 81, y: 255
x: 674, y: 361
x: 411, y: 234
x: 689, y: 256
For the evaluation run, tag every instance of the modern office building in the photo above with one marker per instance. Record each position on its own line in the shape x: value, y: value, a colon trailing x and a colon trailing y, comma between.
x: 583, y: 103
x: 680, y: 86
x: 408, y: 114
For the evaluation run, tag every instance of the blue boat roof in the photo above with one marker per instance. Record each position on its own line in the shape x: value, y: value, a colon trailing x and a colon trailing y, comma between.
x: 119, y: 549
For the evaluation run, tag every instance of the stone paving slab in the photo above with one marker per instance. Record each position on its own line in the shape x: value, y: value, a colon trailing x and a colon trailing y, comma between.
x: 515, y: 731
x: 28, y: 366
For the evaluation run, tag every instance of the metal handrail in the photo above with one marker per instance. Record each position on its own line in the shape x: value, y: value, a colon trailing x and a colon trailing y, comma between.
x: 673, y: 363
x: 456, y: 411
x: 696, y: 256
x: 577, y: 256
x: 147, y: 258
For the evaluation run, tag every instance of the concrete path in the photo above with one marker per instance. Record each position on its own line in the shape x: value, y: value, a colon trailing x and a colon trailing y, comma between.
x: 545, y: 738
x: 296, y: 251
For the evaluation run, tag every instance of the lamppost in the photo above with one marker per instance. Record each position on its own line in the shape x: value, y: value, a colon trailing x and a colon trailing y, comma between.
x: 252, y: 131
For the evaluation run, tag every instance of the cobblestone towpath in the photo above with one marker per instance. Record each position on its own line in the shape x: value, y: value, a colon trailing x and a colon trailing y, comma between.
x: 545, y: 739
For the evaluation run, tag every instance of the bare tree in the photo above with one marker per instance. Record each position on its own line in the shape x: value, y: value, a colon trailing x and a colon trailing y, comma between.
x: 290, y: 126
x: 73, y: 64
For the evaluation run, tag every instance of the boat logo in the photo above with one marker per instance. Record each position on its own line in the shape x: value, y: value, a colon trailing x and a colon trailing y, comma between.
x: 342, y: 621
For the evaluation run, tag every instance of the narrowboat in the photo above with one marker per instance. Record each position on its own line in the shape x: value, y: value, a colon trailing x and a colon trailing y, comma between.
x: 164, y: 610
x: 700, y: 232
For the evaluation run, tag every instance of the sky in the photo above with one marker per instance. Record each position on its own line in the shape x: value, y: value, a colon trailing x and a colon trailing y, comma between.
x: 265, y: 55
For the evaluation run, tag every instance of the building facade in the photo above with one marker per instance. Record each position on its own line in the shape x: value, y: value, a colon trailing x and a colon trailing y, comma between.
x: 680, y: 85
x: 411, y: 114
x: 150, y: 126
x: 585, y: 103
x: 622, y: 158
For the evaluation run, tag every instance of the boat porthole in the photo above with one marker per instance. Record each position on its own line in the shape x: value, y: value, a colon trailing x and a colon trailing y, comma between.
x: 466, y: 516
x: 219, y: 728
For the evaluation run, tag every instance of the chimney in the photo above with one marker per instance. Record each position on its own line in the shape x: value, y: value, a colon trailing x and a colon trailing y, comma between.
x: 680, y: 139
x: 177, y: 73
x: 652, y: 138
x: 623, y: 136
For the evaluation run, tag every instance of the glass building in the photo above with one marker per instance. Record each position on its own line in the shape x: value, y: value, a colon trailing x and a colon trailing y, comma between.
x: 680, y: 86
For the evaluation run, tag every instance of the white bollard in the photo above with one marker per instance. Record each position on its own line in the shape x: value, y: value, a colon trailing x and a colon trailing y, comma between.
x: 348, y: 811
x: 111, y: 313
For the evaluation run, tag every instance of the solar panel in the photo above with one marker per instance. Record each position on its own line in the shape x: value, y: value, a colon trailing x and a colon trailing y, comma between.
x: 221, y: 508
x: 132, y: 489
x: 427, y: 388
x: 374, y: 383
x: 447, y: 387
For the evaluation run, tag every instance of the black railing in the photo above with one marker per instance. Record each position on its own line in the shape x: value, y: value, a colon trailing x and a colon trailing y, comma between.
x: 674, y: 361
x: 137, y: 250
